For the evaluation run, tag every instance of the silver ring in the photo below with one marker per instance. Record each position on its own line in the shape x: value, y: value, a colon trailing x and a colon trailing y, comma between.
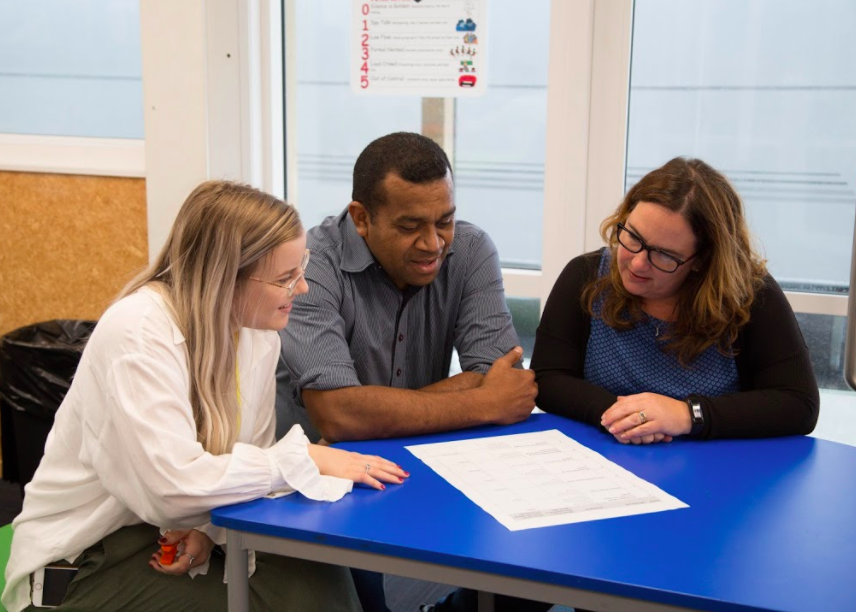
x: 642, y: 417
x: 192, y: 559
x: 368, y: 467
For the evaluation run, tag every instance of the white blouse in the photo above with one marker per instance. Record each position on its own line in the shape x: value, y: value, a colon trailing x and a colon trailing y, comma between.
x: 123, y: 448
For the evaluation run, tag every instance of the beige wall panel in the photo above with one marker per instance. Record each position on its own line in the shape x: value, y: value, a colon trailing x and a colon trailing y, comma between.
x: 67, y: 244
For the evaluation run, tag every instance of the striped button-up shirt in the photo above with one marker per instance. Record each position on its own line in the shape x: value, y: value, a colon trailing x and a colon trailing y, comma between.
x: 355, y: 327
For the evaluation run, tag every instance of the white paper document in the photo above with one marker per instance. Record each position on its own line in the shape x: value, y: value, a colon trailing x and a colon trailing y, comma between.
x: 542, y: 479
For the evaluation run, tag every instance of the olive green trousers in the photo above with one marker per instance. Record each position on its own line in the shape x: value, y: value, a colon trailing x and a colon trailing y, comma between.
x: 115, y: 576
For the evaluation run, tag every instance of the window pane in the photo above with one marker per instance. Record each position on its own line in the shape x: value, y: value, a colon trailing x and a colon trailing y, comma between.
x: 824, y: 335
x: 333, y: 124
x: 763, y: 91
x: 71, y: 68
x: 498, y: 138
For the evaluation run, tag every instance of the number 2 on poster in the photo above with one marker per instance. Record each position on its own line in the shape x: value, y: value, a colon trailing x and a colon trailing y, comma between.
x: 364, y: 77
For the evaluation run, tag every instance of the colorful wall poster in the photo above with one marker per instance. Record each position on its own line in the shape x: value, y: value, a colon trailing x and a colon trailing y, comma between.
x: 425, y: 48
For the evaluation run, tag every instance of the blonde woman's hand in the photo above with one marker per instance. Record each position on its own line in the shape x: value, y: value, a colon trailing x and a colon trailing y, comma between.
x: 194, y: 550
x: 366, y: 469
x: 639, y: 418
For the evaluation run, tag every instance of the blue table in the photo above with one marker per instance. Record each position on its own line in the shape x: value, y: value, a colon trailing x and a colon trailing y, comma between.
x: 771, y: 526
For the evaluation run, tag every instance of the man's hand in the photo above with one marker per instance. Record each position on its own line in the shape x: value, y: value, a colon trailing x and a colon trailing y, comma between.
x: 511, y: 392
x: 662, y: 415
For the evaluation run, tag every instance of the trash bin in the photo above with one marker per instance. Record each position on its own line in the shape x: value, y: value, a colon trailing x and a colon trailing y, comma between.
x: 37, y: 363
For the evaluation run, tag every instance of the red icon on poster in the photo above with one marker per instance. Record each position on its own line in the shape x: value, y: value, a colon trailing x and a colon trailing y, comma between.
x: 467, y: 80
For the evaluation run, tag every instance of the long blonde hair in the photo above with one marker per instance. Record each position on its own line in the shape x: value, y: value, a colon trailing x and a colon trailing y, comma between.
x: 220, y: 235
x: 714, y: 301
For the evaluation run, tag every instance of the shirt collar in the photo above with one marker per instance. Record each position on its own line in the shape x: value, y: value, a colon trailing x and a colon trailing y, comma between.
x: 177, y: 336
x: 356, y: 255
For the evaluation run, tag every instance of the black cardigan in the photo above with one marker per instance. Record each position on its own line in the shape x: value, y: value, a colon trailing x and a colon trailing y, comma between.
x: 778, y: 392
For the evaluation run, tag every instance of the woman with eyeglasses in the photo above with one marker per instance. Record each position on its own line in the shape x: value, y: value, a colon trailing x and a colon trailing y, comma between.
x: 171, y: 414
x: 675, y: 327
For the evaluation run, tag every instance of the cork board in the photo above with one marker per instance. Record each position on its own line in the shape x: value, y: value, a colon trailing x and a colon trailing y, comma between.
x: 67, y: 244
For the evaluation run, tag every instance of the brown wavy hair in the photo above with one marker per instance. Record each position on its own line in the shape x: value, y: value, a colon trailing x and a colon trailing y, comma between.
x: 714, y: 300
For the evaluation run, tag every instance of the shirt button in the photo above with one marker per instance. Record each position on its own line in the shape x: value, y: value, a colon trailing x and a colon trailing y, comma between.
x: 398, y: 372
x: 400, y: 337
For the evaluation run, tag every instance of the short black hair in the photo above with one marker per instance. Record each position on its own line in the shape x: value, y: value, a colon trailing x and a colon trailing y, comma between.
x: 413, y: 157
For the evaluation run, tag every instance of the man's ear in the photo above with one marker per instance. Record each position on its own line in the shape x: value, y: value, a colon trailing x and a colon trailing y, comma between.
x: 360, y: 216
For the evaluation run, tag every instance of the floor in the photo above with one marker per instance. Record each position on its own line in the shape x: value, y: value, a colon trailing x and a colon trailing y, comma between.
x: 837, y: 423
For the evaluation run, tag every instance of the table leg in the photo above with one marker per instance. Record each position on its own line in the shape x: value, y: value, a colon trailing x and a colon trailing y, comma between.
x: 237, y: 570
x: 486, y: 601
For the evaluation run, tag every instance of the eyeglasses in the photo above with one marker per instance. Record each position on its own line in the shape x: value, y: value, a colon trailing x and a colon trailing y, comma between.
x: 659, y: 259
x: 292, y: 284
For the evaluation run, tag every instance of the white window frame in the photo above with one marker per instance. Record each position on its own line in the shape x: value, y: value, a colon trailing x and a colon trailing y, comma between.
x: 212, y: 90
x: 587, y: 90
x: 72, y: 155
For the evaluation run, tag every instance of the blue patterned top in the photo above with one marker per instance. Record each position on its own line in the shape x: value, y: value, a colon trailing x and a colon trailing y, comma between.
x: 629, y: 362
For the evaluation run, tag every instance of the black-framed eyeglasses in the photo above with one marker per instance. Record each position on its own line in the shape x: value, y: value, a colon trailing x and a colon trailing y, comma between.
x: 291, y: 285
x: 659, y: 259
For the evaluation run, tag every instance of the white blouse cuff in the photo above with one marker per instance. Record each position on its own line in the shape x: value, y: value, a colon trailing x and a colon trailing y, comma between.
x: 296, y: 470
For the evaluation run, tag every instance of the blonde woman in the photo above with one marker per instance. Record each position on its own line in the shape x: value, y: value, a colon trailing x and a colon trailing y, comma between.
x: 675, y: 328
x: 171, y: 413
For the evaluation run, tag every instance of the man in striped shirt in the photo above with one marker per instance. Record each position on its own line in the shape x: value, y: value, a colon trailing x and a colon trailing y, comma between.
x: 395, y: 283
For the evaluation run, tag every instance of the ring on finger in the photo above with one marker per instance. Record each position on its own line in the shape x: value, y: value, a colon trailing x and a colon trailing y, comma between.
x: 642, y: 418
x: 192, y: 559
x: 368, y: 467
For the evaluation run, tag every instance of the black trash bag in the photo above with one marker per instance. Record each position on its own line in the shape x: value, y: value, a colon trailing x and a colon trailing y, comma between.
x: 37, y: 364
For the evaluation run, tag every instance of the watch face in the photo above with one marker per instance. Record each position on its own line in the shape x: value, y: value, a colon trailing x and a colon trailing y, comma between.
x: 697, y: 414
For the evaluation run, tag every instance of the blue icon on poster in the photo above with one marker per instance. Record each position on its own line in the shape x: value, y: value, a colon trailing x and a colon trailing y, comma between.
x: 466, y: 26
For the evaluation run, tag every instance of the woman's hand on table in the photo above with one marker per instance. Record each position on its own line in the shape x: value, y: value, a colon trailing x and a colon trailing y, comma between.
x: 647, y: 418
x: 366, y: 469
x: 649, y: 439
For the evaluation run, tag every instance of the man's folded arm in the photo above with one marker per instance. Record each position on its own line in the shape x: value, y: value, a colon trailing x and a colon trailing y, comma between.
x: 458, y: 382
x: 366, y: 412
x: 505, y: 395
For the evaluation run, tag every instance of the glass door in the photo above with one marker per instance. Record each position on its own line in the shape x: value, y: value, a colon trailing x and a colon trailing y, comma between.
x: 764, y: 92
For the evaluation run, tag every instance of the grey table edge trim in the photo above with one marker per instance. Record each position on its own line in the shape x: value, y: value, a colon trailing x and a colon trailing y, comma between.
x: 236, y: 564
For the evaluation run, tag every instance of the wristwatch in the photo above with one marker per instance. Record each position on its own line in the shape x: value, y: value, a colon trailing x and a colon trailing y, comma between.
x: 697, y: 416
